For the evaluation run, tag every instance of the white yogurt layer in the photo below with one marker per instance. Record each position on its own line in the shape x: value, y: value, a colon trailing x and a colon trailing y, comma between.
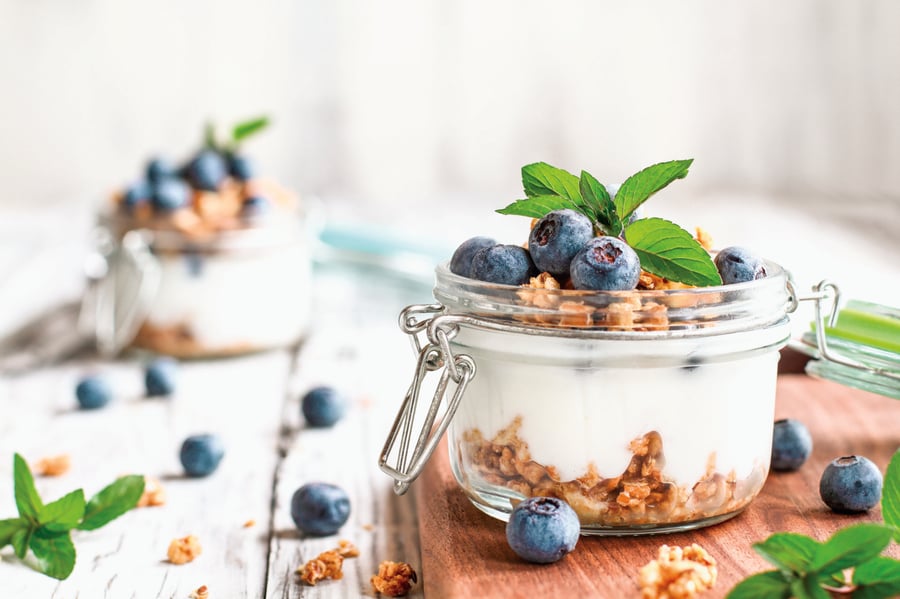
x: 582, y: 402
x: 249, y: 298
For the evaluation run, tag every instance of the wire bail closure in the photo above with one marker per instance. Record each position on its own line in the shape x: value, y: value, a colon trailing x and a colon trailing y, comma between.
x: 439, y: 329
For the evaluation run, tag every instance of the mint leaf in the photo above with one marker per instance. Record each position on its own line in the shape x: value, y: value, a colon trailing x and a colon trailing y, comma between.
x: 541, y: 179
x: 537, y: 206
x: 28, y: 501
x: 640, y: 186
x: 245, y: 129
x: 772, y: 584
x: 851, y: 546
x: 112, y: 502
x: 55, y: 553
x: 890, y: 495
x: 209, y: 136
x: 668, y: 251
x: 601, y: 206
x: 877, y: 578
x: 64, y: 513
x: 808, y: 588
x: 19, y: 540
x: 8, y: 528
x: 788, y: 551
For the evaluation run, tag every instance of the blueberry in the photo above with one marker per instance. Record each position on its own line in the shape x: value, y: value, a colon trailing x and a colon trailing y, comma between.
x: 851, y: 484
x: 241, y: 167
x: 506, y: 264
x: 556, y: 238
x: 159, y: 377
x: 605, y: 263
x: 542, y: 529
x: 171, y: 194
x: 461, y: 262
x: 200, y: 454
x: 791, y: 445
x: 92, y: 392
x: 137, y: 193
x: 738, y: 265
x: 255, y: 206
x: 323, y: 406
x: 207, y: 170
x: 159, y: 169
x: 320, y: 508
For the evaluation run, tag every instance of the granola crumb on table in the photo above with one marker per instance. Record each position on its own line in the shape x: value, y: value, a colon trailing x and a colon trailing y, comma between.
x: 200, y: 593
x: 154, y: 493
x: 678, y: 573
x: 394, y: 579
x: 184, y: 550
x: 250, y: 523
x: 328, y: 564
x: 53, y: 466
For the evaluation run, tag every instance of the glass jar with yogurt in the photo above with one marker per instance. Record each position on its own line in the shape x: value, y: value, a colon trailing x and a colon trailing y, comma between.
x: 647, y: 411
x: 192, y: 294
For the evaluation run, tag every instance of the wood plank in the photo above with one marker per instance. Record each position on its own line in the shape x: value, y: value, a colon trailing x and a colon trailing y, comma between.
x: 465, y: 554
x: 241, y: 399
x: 382, y: 525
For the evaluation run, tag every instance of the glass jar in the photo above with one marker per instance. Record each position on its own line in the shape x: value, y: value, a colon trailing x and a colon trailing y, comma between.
x: 228, y: 292
x: 647, y: 411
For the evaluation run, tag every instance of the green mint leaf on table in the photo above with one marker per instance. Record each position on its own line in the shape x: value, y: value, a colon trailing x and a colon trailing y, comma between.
x: 54, y: 551
x: 247, y: 128
x: 877, y: 578
x: 789, y: 551
x: 9, y: 527
x: 541, y: 179
x: 537, y: 206
x: 112, y: 502
x: 28, y: 502
x: 64, y: 513
x: 638, y: 188
x: 602, y: 207
x: 850, y: 546
x: 668, y: 251
x: 20, y: 540
x: 771, y: 584
x: 890, y: 495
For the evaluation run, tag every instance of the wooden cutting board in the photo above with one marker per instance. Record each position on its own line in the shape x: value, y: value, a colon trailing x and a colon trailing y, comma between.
x: 465, y: 554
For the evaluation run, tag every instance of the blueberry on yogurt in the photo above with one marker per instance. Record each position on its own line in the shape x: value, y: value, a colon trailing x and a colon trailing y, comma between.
x: 200, y: 454
x: 607, y: 264
x: 241, y: 167
x: 207, y: 170
x: 170, y: 194
x: 461, y: 261
x: 137, y: 193
x: 160, y: 168
x: 542, y: 529
x: 556, y: 238
x: 851, y: 484
x: 739, y: 265
x: 505, y: 264
x: 320, y: 509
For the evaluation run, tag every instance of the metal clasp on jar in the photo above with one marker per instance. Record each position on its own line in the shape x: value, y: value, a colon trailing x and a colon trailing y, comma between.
x: 434, y: 355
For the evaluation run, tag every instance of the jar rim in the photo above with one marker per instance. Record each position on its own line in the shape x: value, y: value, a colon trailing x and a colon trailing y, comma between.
x: 693, y: 310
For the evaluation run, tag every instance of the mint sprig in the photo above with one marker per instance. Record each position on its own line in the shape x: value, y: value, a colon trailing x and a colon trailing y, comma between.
x: 664, y: 248
x: 808, y: 568
x: 46, y: 529
x: 238, y: 134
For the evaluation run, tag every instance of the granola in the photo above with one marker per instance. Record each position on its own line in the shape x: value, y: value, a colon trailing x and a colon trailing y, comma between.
x: 53, y: 466
x: 678, y: 573
x: 394, y: 579
x: 184, y: 550
x: 154, y: 493
x: 328, y: 564
x: 640, y: 495
x: 200, y: 593
x: 179, y: 341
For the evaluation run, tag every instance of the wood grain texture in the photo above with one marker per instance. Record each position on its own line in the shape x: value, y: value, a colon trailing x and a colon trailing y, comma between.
x: 465, y: 554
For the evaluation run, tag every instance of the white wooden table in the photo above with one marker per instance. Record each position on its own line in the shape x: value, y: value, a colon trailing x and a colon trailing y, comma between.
x: 253, y: 403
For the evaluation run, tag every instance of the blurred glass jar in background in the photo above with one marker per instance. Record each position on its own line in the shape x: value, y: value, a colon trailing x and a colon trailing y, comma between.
x: 201, y: 273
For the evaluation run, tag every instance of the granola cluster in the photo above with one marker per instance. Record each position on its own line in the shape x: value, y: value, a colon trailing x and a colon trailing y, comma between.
x: 52, y: 466
x: 642, y: 494
x: 394, y: 579
x: 178, y: 340
x: 184, y: 550
x: 678, y: 573
x: 328, y: 564
x: 154, y: 493
x: 200, y: 593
